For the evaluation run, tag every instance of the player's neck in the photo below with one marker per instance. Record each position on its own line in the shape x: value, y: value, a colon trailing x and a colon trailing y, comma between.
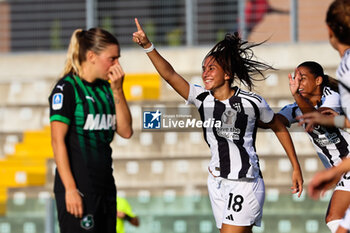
x: 223, y: 93
x: 315, y: 98
x: 88, y: 74
x: 342, y: 49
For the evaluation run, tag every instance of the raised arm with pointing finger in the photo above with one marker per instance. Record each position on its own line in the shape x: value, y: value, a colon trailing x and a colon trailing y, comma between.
x: 234, y: 160
x: 163, y: 67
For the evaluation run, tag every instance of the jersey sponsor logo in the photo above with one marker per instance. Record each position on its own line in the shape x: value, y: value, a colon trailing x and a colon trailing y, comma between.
x: 100, y: 122
x: 228, y: 130
x: 328, y: 139
x: 60, y: 86
x: 346, y: 176
x: 57, y: 101
x: 324, y: 137
x: 152, y: 119
x: 90, y: 98
x: 340, y: 184
x: 230, y: 217
x: 87, y: 222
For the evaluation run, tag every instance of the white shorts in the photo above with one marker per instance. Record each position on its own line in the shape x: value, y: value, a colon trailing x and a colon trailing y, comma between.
x: 236, y: 202
x: 344, y: 183
x: 345, y: 223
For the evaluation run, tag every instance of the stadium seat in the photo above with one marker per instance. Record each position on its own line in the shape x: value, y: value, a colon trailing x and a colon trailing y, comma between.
x: 29, y: 92
x: 3, y: 199
x: 141, y: 86
x: 21, y: 118
x: 27, y: 165
x: 22, y: 224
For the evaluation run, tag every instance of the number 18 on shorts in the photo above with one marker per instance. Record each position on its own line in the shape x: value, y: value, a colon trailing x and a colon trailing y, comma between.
x: 237, y: 203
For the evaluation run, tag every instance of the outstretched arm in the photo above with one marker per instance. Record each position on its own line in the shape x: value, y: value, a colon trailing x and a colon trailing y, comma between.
x: 284, y: 137
x: 163, y: 67
x: 316, y: 118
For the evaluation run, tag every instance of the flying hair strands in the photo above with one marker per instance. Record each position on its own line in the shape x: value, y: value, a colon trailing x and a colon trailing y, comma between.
x: 236, y: 58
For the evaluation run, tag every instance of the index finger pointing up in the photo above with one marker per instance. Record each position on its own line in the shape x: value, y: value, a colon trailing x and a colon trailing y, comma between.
x: 139, y: 28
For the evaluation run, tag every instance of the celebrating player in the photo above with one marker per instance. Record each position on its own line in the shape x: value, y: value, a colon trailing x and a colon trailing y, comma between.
x: 85, y: 113
x: 338, y: 24
x: 235, y: 185
x: 312, y: 90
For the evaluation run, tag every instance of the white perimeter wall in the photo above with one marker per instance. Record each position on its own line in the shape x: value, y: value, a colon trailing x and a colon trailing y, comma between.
x: 185, y: 60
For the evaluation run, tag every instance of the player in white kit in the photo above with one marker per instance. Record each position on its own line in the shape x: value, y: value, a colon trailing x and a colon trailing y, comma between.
x: 312, y: 90
x: 338, y: 24
x: 235, y: 184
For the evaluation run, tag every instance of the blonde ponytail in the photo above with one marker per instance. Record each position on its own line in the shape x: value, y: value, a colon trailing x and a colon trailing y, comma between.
x: 72, y: 61
x: 82, y: 41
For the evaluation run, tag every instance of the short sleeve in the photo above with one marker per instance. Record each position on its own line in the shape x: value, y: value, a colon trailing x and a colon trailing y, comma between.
x: 331, y: 100
x: 195, y: 91
x: 288, y: 112
x: 266, y: 113
x: 62, y: 102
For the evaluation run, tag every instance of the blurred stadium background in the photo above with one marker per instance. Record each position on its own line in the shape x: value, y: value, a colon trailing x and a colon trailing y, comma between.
x: 163, y: 174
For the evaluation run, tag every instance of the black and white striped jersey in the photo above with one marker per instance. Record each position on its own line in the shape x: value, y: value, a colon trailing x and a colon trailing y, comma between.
x: 232, y: 143
x: 343, y: 75
x: 331, y: 144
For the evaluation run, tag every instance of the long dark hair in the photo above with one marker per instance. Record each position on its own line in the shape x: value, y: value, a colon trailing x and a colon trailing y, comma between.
x: 316, y: 70
x: 338, y: 19
x: 235, y: 56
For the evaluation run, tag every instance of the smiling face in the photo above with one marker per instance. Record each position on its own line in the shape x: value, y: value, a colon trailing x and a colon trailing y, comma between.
x: 310, y: 85
x: 213, y: 75
x: 102, y: 62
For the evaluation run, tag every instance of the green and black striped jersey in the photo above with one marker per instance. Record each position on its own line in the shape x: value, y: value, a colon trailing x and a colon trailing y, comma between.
x: 89, y: 110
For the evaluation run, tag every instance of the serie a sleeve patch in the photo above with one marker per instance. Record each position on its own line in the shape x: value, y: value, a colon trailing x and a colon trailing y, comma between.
x: 57, y: 101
